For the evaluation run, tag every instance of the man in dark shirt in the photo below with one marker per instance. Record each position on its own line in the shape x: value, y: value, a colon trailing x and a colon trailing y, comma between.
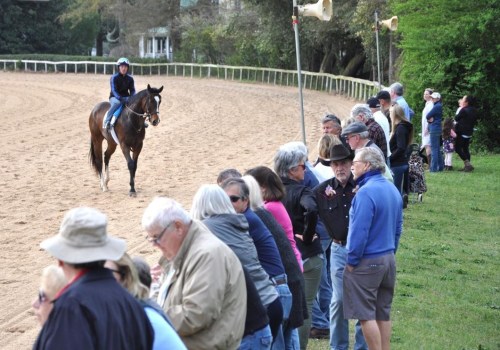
x: 93, y: 311
x: 334, y: 199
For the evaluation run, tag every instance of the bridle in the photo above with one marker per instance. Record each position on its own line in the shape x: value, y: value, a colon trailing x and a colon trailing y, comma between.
x: 147, y: 115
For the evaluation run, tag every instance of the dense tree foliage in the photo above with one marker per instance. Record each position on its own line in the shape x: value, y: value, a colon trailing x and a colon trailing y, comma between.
x: 453, y: 46
x: 33, y: 27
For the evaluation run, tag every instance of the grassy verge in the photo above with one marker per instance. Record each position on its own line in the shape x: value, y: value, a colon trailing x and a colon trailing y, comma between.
x: 448, y: 283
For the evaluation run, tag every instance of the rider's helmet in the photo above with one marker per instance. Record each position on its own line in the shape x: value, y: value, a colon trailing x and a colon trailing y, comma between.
x: 123, y: 60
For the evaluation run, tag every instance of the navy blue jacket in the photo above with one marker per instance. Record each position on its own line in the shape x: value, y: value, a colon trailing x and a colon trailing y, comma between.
x: 121, y: 86
x: 266, y: 245
x: 436, y: 113
x: 95, y: 312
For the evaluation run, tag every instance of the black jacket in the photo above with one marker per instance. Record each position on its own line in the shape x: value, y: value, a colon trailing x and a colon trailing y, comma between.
x: 399, y: 143
x: 466, y: 120
x: 96, y: 312
x: 303, y: 211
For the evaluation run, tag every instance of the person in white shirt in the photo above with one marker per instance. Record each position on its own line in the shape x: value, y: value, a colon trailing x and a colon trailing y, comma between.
x: 426, y: 138
x: 381, y: 119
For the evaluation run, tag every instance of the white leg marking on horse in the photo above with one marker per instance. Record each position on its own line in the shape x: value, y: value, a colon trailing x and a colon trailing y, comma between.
x: 107, y: 176
x: 103, y: 182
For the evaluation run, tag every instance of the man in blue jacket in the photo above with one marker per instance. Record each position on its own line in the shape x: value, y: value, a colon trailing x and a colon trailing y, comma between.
x: 93, y: 311
x: 375, y: 225
x: 434, y: 119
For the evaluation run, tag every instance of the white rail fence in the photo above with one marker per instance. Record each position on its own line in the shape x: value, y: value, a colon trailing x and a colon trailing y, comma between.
x: 358, y: 89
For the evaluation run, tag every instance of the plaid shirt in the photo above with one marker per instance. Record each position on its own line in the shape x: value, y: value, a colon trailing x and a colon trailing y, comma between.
x: 376, y: 134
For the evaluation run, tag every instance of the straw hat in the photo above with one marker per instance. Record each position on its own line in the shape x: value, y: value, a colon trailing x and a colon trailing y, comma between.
x: 83, y: 238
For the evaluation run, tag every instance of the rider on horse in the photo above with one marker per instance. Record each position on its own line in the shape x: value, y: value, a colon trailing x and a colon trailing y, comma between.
x: 122, y: 88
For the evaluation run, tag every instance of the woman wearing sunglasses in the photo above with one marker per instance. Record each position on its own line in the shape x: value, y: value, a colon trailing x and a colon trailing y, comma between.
x: 52, y: 281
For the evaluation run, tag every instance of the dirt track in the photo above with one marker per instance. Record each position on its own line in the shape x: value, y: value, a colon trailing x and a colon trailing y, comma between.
x: 207, y: 125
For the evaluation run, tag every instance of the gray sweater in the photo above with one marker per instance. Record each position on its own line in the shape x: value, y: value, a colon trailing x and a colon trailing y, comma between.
x: 232, y: 229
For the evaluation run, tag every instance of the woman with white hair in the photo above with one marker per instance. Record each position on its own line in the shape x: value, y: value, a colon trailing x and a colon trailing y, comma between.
x: 213, y: 207
x: 52, y: 281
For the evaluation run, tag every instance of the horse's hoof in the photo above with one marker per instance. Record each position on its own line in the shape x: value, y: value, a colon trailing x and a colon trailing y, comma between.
x: 132, y: 194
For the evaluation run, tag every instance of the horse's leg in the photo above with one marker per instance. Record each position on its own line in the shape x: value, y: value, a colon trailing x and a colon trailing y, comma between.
x: 132, y: 165
x: 107, y: 156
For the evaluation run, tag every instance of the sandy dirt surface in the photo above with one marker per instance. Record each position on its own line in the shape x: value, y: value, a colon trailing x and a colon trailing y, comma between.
x: 206, y: 126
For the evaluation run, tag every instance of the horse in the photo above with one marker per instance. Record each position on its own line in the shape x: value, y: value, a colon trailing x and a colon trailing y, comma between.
x: 129, y: 130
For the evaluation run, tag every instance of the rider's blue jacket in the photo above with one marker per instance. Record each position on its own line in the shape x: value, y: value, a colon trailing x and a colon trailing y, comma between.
x: 122, y: 86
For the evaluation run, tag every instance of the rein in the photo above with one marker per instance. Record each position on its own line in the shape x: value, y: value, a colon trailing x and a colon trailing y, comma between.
x: 147, y: 116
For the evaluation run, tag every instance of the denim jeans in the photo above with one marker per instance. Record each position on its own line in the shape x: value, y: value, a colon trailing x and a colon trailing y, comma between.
x: 294, y: 339
x: 398, y: 174
x: 286, y: 301
x: 339, y: 326
x: 115, y: 104
x: 260, y: 339
x: 437, y: 163
x: 312, y: 276
x: 321, y: 304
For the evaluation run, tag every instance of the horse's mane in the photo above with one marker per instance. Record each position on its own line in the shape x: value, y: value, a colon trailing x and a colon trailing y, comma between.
x: 138, y: 96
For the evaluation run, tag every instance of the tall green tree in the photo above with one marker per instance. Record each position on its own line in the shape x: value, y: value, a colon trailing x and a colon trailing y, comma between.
x: 453, y: 46
x: 32, y: 27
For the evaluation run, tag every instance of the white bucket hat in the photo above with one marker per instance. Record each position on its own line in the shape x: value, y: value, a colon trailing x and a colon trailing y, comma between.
x: 82, y: 238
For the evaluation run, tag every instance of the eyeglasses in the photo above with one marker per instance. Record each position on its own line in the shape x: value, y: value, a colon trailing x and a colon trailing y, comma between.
x: 156, y: 240
x: 234, y: 198
x: 42, y: 297
x: 348, y: 137
x: 303, y: 166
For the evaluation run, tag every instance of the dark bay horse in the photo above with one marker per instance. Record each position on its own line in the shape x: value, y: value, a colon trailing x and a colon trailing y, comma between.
x: 129, y: 130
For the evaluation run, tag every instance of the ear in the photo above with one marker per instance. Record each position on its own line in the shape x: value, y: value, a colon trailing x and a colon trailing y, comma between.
x: 160, y: 89
x: 149, y: 87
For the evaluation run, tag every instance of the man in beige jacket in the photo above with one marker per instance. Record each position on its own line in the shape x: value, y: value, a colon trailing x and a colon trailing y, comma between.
x: 203, y: 288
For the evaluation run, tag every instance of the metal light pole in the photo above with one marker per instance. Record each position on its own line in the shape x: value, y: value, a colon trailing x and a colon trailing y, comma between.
x: 378, y: 53
x: 295, y: 22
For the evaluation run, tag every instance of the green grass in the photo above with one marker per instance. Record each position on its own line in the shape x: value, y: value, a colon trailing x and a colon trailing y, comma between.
x: 448, y: 269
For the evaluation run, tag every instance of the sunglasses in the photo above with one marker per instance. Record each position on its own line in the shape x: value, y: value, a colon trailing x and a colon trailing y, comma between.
x: 42, y: 297
x: 234, y: 199
x: 117, y: 272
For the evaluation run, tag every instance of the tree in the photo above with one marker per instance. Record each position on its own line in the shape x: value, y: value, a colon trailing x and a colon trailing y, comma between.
x: 452, y: 46
x: 32, y: 27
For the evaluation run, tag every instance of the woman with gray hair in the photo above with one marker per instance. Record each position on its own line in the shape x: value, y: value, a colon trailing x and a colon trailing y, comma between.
x: 213, y: 207
x: 301, y: 206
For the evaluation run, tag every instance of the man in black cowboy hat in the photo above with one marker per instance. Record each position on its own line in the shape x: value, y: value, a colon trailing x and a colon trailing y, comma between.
x: 334, y: 197
x: 92, y: 311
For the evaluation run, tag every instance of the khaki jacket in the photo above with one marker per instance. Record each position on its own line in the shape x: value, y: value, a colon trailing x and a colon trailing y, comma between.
x: 206, y: 296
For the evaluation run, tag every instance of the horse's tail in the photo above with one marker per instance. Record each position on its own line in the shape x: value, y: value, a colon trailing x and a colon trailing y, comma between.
x: 92, y: 158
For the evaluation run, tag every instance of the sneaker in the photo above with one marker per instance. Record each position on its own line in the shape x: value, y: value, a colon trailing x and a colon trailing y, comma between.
x: 405, y: 201
x: 318, y: 333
